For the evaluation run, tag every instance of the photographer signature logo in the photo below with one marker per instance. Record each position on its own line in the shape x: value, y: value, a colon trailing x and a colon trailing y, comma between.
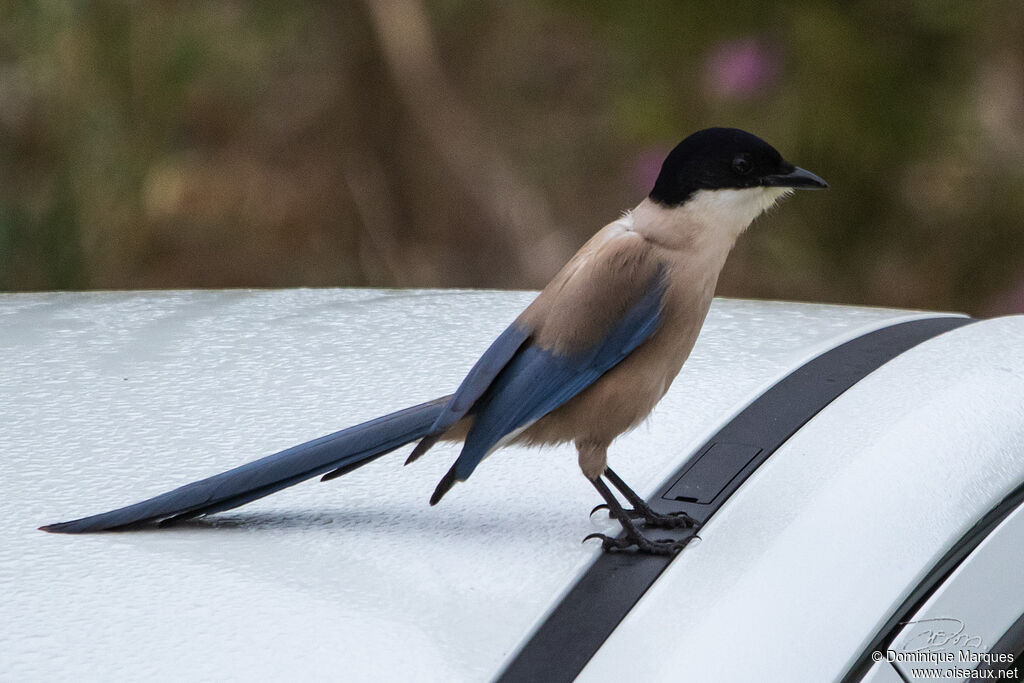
x: 939, y: 634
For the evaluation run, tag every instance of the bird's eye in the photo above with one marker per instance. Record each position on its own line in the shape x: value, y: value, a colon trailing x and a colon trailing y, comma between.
x: 742, y: 165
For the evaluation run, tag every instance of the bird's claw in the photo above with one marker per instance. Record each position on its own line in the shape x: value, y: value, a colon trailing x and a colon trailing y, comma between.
x: 673, y: 520
x: 639, y: 544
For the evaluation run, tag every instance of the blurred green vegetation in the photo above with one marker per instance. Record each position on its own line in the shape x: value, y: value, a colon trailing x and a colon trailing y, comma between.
x: 478, y: 143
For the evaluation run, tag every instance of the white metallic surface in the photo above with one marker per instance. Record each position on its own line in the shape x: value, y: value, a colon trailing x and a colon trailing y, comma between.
x: 803, y: 565
x: 971, y: 610
x: 107, y: 398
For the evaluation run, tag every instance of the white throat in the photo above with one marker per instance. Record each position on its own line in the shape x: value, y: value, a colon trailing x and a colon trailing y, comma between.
x: 710, y: 218
x: 732, y: 210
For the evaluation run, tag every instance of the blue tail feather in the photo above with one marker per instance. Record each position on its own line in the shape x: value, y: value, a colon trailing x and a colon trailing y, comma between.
x: 344, y: 450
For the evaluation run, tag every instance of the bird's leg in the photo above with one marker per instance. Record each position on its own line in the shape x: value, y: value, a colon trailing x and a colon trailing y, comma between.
x: 633, y: 538
x: 641, y: 510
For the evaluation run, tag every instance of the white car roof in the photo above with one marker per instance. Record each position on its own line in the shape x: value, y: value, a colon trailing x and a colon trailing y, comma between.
x: 108, y: 398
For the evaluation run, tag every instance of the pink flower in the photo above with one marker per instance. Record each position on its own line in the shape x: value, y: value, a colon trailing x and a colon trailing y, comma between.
x: 743, y: 68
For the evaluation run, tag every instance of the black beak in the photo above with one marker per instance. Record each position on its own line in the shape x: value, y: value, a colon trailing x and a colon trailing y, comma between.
x: 798, y: 178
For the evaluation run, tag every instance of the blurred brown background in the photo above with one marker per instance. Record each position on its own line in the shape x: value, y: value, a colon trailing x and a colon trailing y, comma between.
x: 478, y: 143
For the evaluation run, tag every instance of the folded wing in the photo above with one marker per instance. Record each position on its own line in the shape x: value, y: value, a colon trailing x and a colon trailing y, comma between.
x: 537, y: 380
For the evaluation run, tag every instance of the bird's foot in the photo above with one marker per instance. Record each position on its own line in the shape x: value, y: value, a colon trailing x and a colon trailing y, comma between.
x: 673, y: 520
x: 639, y: 544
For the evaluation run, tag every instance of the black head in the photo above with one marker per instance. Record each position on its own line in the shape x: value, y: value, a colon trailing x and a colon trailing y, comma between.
x: 725, y: 158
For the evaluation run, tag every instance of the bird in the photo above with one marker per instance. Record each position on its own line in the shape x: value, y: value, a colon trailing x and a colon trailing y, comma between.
x: 585, y: 362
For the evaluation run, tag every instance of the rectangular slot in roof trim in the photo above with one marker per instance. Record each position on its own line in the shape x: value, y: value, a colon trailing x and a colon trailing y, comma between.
x: 711, y: 472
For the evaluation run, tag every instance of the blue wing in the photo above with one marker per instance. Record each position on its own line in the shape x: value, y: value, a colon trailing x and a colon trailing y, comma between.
x: 535, y: 381
x: 480, y: 377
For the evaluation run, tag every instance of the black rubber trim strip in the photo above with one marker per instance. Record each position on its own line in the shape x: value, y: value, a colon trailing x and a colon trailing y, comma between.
x: 939, y: 573
x: 575, y: 629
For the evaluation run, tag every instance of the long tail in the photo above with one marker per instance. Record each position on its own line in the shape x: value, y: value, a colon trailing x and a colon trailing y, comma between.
x: 336, y: 453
